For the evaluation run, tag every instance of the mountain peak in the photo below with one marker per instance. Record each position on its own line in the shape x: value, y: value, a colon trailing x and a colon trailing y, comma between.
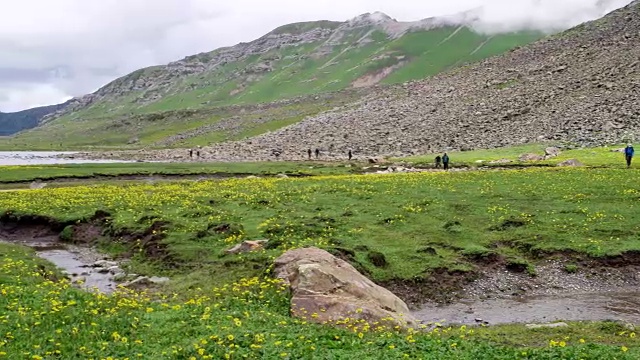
x: 374, y: 18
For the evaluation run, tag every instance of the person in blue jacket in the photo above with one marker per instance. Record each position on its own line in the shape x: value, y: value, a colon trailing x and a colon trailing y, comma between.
x: 628, y: 154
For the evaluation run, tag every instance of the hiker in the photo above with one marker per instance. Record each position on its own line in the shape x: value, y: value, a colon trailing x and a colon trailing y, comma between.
x: 628, y: 154
x: 309, y: 153
x: 198, y: 154
x: 445, y: 161
x: 191, y: 153
x: 350, y: 155
x: 317, y: 153
x: 438, y: 161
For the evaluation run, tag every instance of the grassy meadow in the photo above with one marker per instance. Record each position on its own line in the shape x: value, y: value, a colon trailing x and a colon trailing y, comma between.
x: 227, y: 306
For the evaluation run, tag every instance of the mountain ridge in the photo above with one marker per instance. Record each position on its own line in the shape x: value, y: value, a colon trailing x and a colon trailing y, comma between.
x: 154, y: 82
x: 580, y: 86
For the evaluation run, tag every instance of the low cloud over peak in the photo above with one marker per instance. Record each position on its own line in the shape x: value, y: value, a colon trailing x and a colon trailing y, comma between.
x: 52, y: 50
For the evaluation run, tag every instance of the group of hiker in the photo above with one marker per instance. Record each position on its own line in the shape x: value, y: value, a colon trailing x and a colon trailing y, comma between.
x: 317, y: 152
x: 442, y: 162
x: 191, y: 153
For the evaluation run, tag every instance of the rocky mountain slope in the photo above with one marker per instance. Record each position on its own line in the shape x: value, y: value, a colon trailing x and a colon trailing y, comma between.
x: 297, y: 60
x: 582, y: 86
x: 11, y: 123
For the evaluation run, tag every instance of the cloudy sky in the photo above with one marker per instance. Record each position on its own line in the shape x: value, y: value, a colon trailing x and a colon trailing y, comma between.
x: 51, y: 50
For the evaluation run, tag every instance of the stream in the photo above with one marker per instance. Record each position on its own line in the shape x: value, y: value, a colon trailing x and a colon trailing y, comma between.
x: 618, y: 306
x: 72, y: 264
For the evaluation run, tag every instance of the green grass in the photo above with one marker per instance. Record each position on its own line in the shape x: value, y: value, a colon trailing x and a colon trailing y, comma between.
x: 224, y: 308
x: 14, y: 174
x: 515, y: 214
x: 593, y: 157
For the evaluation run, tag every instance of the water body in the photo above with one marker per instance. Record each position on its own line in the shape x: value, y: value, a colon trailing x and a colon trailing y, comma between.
x: 45, y: 158
x: 76, y: 262
x: 617, y: 306
x: 79, y: 270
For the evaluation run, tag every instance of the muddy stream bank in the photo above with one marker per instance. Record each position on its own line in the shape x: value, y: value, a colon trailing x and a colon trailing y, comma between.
x: 496, y: 296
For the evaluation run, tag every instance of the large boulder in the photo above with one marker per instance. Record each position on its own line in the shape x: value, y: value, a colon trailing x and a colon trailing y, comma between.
x: 328, y: 290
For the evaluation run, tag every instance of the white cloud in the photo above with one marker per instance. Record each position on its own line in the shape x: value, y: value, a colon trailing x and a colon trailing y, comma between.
x: 17, y: 97
x: 96, y: 41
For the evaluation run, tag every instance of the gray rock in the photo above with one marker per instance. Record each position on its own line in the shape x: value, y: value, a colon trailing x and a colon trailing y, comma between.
x: 552, y: 151
x: 159, y: 280
x: 120, y: 277
x: 104, y: 264
x: 115, y: 270
x: 531, y: 157
x: 571, y: 163
x: 247, y: 246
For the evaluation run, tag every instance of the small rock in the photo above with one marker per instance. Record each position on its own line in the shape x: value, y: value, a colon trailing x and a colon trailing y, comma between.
x: 571, y: 163
x: 139, y: 281
x: 115, y: 270
x: 546, y: 326
x: 531, y: 157
x: 282, y: 176
x: 552, y: 151
x: 104, y: 264
x: 159, y: 280
x: 120, y: 277
x: 247, y: 246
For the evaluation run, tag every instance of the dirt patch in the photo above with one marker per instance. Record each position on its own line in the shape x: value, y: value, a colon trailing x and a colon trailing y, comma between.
x: 497, y: 277
x: 149, y: 242
x: 374, y: 78
x: 29, y: 228
x: 45, y: 232
x: 441, y: 286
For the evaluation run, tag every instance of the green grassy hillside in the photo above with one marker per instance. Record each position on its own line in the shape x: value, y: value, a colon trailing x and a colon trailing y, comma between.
x: 357, y: 57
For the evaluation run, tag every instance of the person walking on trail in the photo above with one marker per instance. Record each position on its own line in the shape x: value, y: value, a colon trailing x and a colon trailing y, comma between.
x: 445, y: 161
x: 317, y: 153
x: 309, y: 153
x: 191, y: 153
x: 350, y: 155
x: 438, y: 161
x: 628, y: 154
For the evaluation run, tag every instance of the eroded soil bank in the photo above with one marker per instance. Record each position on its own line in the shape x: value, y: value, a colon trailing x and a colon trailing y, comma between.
x: 567, y: 287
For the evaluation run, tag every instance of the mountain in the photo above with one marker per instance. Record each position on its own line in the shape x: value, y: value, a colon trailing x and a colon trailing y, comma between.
x: 579, y: 86
x: 11, y: 123
x: 179, y: 104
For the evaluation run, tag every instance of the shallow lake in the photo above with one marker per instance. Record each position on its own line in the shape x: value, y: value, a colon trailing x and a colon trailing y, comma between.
x: 45, y: 158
